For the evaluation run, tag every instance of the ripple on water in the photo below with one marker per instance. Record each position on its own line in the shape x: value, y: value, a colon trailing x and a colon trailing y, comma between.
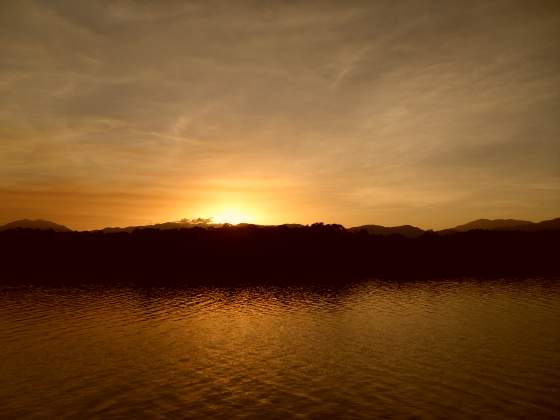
x: 428, y: 349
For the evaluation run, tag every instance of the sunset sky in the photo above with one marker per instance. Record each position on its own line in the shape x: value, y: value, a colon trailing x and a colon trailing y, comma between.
x: 430, y: 113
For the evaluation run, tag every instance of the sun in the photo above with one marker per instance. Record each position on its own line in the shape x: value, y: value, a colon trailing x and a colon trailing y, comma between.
x: 232, y: 210
x: 232, y: 216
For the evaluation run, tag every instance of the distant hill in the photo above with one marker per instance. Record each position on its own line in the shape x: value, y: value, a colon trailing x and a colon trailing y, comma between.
x: 184, y: 225
x: 159, y: 226
x: 311, y: 254
x: 487, y: 224
x: 553, y: 224
x: 35, y: 224
x: 407, y: 231
x: 504, y: 224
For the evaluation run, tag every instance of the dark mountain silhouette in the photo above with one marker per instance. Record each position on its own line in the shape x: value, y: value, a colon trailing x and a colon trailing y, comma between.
x: 159, y: 226
x: 407, y: 231
x: 487, y: 224
x: 281, y: 254
x: 180, y: 224
x: 183, y: 225
x: 35, y: 224
x: 552, y: 224
x: 504, y: 224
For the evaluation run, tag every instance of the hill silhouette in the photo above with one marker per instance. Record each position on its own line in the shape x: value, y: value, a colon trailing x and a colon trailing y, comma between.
x: 280, y: 254
x: 505, y: 224
x: 407, y: 231
x: 487, y: 224
x: 180, y: 224
x: 35, y: 224
x: 552, y: 224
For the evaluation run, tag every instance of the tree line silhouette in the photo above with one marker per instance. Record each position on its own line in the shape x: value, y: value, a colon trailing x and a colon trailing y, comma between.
x: 282, y: 254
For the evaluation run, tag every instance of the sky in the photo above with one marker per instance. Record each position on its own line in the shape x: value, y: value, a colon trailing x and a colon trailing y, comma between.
x: 430, y: 113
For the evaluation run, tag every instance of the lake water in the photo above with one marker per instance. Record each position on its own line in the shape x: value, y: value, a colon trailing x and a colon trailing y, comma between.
x: 418, y: 349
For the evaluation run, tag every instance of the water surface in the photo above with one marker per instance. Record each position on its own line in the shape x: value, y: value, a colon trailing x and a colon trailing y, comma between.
x: 426, y: 349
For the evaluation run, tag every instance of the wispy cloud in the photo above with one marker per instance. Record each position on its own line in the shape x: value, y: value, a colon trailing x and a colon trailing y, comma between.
x: 355, y: 107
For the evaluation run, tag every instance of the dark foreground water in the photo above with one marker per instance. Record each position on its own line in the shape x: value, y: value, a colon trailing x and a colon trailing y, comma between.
x: 427, y: 349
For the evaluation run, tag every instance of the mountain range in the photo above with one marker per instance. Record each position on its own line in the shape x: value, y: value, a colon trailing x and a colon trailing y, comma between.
x: 505, y: 224
x: 35, y: 224
x: 404, y: 230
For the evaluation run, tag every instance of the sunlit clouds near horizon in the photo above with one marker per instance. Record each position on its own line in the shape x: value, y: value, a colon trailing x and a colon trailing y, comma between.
x: 429, y: 113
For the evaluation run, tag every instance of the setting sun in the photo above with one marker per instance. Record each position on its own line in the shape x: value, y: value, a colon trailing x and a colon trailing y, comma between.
x: 231, y: 208
x: 233, y: 216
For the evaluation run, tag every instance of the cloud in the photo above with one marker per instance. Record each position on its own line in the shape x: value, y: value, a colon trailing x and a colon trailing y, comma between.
x: 350, y: 101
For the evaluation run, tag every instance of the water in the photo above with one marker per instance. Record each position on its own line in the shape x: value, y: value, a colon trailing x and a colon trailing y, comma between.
x: 425, y: 349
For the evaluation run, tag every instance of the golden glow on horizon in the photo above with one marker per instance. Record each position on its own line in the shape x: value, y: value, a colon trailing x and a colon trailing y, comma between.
x: 228, y: 207
x: 231, y: 214
x: 193, y: 122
